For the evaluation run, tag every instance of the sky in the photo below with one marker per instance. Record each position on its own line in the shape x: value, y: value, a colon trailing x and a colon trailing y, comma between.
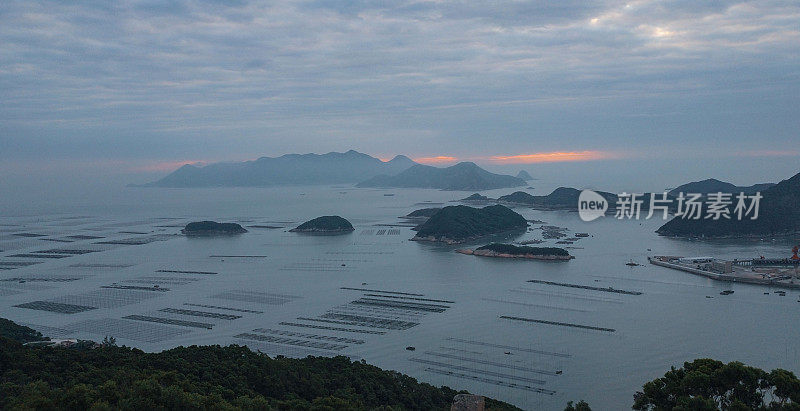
x: 648, y: 91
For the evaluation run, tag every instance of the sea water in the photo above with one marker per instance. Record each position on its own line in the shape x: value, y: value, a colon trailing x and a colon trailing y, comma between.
x: 372, y: 293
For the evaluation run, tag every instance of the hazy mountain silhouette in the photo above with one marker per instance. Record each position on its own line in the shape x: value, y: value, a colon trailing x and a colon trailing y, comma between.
x: 462, y: 176
x: 289, y: 169
x: 524, y: 175
x: 712, y: 185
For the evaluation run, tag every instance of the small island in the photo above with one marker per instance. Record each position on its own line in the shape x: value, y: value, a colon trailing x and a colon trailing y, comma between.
x: 329, y: 224
x: 514, y: 251
x: 524, y: 175
x: 458, y: 224
x: 477, y: 198
x: 562, y: 198
x: 212, y: 228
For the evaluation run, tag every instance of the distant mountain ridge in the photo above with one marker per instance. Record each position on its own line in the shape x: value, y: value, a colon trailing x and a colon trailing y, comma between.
x: 462, y: 176
x: 712, y: 185
x: 289, y: 169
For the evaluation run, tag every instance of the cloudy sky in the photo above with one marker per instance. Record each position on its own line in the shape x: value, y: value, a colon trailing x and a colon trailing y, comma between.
x: 144, y: 86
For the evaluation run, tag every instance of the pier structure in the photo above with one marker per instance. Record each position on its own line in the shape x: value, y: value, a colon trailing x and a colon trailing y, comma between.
x: 781, y: 272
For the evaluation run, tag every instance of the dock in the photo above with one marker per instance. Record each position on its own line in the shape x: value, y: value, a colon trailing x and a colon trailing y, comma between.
x: 740, y: 273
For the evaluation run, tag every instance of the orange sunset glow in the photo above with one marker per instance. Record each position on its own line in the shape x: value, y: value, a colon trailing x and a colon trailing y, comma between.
x: 435, y: 160
x: 551, y: 157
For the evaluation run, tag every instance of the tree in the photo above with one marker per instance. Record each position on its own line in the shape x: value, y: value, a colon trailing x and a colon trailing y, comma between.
x: 706, y: 384
x: 580, y: 406
x: 109, y: 341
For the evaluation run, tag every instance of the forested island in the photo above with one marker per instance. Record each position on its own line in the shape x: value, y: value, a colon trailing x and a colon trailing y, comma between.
x: 329, y: 224
x: 778, y: 214
x: 458, y: 224
x: 477, y: 198
x: 199, y: 377
x: 562, y: 198
x: 514, y: 251
x: 211, y: 228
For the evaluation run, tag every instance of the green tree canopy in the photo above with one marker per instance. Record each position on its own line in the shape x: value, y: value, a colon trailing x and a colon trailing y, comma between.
x: 706, y: 384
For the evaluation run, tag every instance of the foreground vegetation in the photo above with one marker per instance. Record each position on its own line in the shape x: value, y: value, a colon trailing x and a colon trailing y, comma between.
x: 233, y: 377
x: 20, y: 333
x: 198, y: 378
x: 706, y: 384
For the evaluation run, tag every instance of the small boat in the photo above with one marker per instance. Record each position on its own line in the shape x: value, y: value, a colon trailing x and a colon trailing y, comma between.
x: 631, y: 263
x: 726, y: 292
x: 388, y: 195
x: 410, y: 348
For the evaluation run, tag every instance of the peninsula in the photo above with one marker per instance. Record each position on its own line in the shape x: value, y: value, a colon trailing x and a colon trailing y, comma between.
x: 422, y: 213
x: 778, y: 214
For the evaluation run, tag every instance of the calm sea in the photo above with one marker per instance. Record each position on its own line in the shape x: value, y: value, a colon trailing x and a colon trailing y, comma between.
x: 371, y: 294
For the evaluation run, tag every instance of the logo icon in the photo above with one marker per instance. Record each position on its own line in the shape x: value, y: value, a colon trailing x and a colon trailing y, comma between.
x: 591, y: 205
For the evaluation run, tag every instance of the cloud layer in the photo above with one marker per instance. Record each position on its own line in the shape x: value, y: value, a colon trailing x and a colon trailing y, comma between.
x: 238, y: 79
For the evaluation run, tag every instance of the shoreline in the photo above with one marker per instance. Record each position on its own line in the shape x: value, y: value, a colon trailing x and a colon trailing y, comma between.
x: 451, y: 241
x: 731, y: 236
x: 322, y: 232
x: 494, y: 254
x: 723, y: 277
